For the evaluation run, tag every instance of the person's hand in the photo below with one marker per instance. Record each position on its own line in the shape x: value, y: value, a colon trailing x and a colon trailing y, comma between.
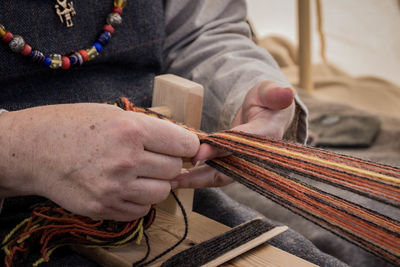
x: 92, y: 159
x: 267, y: 110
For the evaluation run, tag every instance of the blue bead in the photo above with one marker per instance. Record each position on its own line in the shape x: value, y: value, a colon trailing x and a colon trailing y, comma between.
x: 98, y: 47
x: 47, y: 61
x: 72, y: 60
x: 104, y: 38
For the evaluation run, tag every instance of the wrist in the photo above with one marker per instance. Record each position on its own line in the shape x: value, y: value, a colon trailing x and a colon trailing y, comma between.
x: 11, y: 181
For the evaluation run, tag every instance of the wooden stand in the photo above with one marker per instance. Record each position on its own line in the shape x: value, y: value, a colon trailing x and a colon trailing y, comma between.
x: 305, y: 45
x: 182, y: 100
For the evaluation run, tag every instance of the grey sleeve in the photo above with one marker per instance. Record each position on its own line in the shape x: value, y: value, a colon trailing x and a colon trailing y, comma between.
x: 209, y: 42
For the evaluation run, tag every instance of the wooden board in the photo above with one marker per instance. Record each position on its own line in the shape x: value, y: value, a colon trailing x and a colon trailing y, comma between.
x: 168, y: 229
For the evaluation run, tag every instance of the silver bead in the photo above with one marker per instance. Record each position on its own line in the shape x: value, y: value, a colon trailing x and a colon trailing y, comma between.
x: 17, y: 44
x: 114, y: 19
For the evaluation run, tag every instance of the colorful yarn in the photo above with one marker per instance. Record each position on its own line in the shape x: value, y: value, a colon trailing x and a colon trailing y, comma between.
x: 17, y: 43
x: 265, y: 165
x: 51, y: 227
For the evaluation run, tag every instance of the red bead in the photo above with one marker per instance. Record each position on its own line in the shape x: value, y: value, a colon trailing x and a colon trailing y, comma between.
x: 8, y: 37
x: 117, y: 10
x: 84, y: 55
x: 66, y: 63
x: 109, y: 28
x: 27, y: 50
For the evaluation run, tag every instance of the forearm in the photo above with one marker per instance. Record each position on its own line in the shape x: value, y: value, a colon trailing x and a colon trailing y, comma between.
x: 3, y: 158
x: 10, y: 183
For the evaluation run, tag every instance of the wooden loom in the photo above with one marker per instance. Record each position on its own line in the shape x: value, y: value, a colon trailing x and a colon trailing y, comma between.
x: 182, y: 100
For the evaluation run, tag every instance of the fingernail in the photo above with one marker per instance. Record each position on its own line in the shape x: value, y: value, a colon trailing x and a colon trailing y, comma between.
x: 199, y: 162
x: 174, y: 184
x: 184, y: 171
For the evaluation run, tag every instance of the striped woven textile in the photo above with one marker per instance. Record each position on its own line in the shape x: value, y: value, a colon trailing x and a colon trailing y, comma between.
x: 267, y: 167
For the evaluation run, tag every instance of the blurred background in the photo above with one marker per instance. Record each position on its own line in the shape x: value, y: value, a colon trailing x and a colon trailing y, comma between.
x: 353, y: 93
x: 363, y: 36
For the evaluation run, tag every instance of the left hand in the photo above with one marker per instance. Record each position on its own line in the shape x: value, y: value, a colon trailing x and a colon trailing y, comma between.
x: 267, y: 110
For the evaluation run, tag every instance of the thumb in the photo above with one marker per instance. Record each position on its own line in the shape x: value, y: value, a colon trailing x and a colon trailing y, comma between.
x: 275, y: 97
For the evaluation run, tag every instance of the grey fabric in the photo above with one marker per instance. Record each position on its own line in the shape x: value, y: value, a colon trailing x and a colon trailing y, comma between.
x: 339, y: 130
x: 215, y: 204
x: 197, y: 33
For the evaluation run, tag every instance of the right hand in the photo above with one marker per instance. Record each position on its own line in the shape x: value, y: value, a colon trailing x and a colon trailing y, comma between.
x: 92, y: 159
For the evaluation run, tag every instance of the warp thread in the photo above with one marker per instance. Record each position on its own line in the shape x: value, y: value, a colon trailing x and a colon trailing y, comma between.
x: 265, y: 166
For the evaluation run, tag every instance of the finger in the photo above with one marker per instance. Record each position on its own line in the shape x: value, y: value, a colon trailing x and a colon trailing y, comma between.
x: 201, y: 177
x: 159, y: 166
x: 275, y: 97
x: 168, y: 138
x: 123, y: 211
x: 262, y: 127
x: 207, y: 152
x: 146, y: 191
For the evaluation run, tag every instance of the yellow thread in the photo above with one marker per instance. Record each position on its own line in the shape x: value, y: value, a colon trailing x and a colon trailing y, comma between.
x: 372, y: 217
x: 140, y: 236
x: 315, y: 159
x: 41, y: 260
x: 6, y: 250
x: 14, y: 230
x: 303, y: 188
x: 140, y: 225
x: 22, y: 239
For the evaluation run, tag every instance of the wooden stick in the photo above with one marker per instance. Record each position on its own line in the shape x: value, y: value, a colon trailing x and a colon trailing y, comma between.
x: 305, y: 56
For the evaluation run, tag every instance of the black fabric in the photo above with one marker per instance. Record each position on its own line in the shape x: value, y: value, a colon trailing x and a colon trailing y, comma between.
x: 213, y: 248
x: 125, y: 67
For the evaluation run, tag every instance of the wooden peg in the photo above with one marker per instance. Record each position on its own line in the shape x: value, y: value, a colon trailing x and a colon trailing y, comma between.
x: 184, y: 99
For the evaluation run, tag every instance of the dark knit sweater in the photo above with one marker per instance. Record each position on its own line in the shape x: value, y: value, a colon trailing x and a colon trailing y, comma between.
x: 125, y: 67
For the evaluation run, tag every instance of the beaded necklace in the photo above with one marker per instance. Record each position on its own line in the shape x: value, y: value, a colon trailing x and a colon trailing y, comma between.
x: 56, y: 61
